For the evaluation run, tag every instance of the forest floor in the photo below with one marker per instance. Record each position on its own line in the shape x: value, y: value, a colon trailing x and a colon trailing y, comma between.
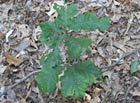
x: 21, y: 50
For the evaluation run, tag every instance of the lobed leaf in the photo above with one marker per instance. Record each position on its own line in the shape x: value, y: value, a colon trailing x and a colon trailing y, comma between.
x: 49, y: 29
x: 89, y: 21
x: 77, y: 78
x: 52, y: 59
x: 76, y: 46
x: 48, y: 78
x: 56, y: 40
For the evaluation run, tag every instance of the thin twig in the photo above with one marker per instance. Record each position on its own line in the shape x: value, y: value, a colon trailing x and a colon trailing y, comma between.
x: 114, y: 64
x: 20, y: 81
x: 135, y: 83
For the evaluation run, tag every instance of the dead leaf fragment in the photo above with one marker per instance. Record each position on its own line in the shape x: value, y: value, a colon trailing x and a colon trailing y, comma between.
x: 96, y: 99
x: 97, y: 90
x: 135, y: 92
x: 22, y: 31
x: 87, y: 97
x: 13, y: 60
x: 1, y: 35
x: 23, y: 100
x: 11, y: 94
x: 2, y: 69
x: 23, y: 45
x: 36, y: 33
x: 116, y: 18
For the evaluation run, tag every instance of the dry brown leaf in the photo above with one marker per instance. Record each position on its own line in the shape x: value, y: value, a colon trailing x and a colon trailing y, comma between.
x: 116, y: 18
x: 97, y: 3
x: 101, y: 51
x: 117, y: 87
x: 2, y: 69
x: 126, y: 1
x: 28, y: 94
x: 13, y: 60
x: 120, y: 45
x: 87, y: 97
x: 97, y: 90
x: 96, y: 99
x: 23, y: 45
x: 116, y: 3
x: 22, y: 31
x: 36, y: 33
x: 93, y: 8
x: 11, y: 94
x: 23, y: 100
x: 97, y: 60
x: 135, y: 92
x: 1, y: 35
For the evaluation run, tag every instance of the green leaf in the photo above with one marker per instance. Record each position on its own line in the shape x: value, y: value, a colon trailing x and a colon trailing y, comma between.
x: 77, y: 77
x: 86, y: 21
x: 76, y: 46
x: 66, y: 20
x: 134, y: 66
x: 89, y: 21
x: 55, y: 41
x: 48, y: 78
x: 66, y: 13
x: 104, y: 23
x: 52, y: 59
x: 49, y: 29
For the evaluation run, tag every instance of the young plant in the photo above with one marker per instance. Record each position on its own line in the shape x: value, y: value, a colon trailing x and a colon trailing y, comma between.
x: 78, y: 76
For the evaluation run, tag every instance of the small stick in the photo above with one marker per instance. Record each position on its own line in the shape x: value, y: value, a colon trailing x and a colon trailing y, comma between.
x: 20, y: 81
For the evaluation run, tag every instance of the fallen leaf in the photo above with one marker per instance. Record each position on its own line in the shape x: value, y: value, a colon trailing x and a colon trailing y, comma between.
x: 96, y: 99
x: 36, y: 33
x: 11, y: 94
x: 13, y: 60
x: 116, y: 18
x: 23, y: 100
x: 135, y: 92
x: 97, y: 3
x: 116, y: 3
x: 22, y: 31
x: 1, y: 35
x: 120, y: 45
x: 23, y: 45
x: 115, y: 84
x: 127, y: 1
x: 87, y: 97
x: 2, y: 69
x: 97, y: 90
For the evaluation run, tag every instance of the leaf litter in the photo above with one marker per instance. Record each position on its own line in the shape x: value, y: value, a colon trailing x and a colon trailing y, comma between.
x: 19, y: 36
